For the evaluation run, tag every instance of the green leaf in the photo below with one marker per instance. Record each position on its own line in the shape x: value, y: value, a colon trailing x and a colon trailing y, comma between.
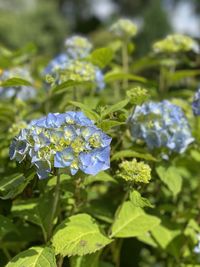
x: 102, y: 56
x: 15, y: 82
x: 132, y: 221
x: 34, y: 257
x: 132, y: 154
x: 163, y: 235
x: 6, y: 226
x: 118, y: 76
x: 12, y: 185
x: 36, y: 211
x: 106, y: 125
x: 78, y: 235
x: 88, y: 112
x: 91, y: 260
x: 70, y: 85
x: 182, y: 74
x: 171, y: 178
x: 100, y: 177
x: 114, y: 107
x: 138, y: 201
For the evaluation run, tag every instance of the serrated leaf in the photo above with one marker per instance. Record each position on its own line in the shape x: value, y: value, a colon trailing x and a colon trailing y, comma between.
x: 138, y: 201
x: 6, y: 226
x: 132, y: 154
x: 34, y: 257
x: 78, y: 235
x: 171, y: 178
x: 102, y: 56
x: 182, y: 74
x: 12, y: 185
x: 115, y: 107
x: 88, y: 112
x: 117, y: 76
x: 15, y: 82
x: 132, y: 221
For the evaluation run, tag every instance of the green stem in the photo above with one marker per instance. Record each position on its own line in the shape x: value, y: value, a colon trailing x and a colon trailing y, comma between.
x: 55, y: 205
x: 125, y: 62
x: 74, y: 94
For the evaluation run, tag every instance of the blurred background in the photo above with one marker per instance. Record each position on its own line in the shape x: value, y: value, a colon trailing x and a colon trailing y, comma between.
x: 48, y: 23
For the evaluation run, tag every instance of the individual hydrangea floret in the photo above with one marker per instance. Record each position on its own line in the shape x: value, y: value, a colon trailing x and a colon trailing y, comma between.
x: 20, y: 92
x: 196, y: 103
x: 77, y: 70
x: 77, y: 47
x: 136, y: 172
x: 161, y: 125
x: 175, y: 43
x: 68, y: 140
x: 137, y: 95
x: 124, y: 29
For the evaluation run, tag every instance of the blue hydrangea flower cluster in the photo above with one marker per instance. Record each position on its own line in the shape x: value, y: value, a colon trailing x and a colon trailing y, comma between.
x: 197, y: 247
x: 196, y: 103
x: 67, y: 140
x: 161, y: 125
x: 20, y: 92
x: 77, y: 47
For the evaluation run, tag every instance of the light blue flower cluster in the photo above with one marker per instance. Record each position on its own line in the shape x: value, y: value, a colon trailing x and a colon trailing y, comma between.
x: 67, y: 140
x: 69, y: 66
x: 77, y: 47
x: 20, y: 92
x: 161, y: 125
x: 77, y: 70
x: 196, y: 103
x: 56, y: 64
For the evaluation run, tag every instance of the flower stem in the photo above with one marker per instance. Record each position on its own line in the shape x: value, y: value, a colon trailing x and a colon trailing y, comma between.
x: 125, y: 62
x: 55, y: 205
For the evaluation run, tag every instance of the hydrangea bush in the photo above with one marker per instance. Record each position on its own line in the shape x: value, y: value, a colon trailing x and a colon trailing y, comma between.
x: 101, y: 178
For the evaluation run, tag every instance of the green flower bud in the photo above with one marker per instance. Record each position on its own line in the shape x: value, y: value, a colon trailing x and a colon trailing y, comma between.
x: 136, y: 172
x: 137, y: 95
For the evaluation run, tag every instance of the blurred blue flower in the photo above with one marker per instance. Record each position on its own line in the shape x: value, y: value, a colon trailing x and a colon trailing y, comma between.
x: 161, y: 125
x: 20, y: 92
x: 68, y: 140
x: 56, y: 64
x: 196, y: 103
x: 77, y: 47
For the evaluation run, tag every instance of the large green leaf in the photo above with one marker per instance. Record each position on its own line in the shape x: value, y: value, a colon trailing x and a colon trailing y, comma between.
x: 36, y: 211
x: 6, y: 226
x: 101, y: 56
x: 12, y: 185
x: 15, y: 82
x: 163, y: 235
x: 78, y: 235
x: 171, y: 177
x: 34, y: 257
x: 132, y: 221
